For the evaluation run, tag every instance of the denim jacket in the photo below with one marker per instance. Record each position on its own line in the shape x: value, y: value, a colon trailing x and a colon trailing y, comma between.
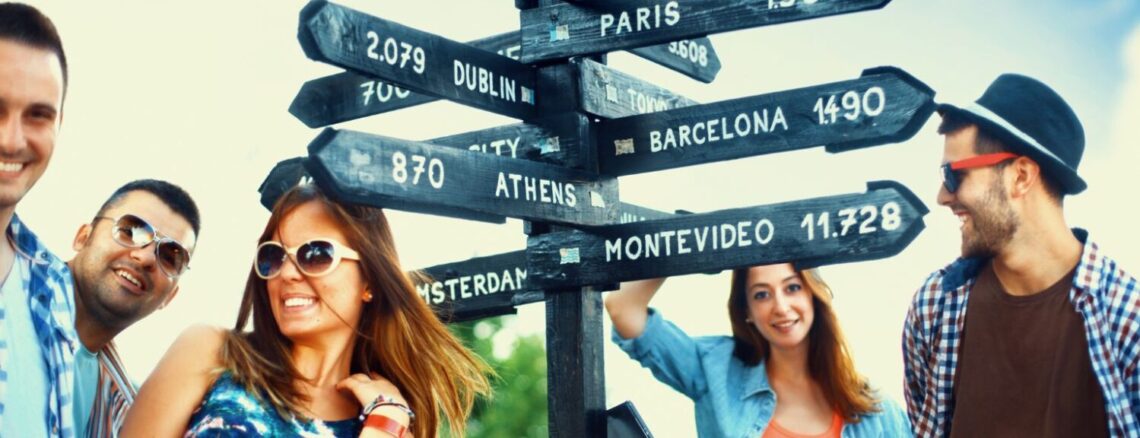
x: 731, y: 399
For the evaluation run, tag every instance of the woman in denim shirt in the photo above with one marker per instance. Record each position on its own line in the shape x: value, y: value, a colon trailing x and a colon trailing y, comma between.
x: 784, y: 372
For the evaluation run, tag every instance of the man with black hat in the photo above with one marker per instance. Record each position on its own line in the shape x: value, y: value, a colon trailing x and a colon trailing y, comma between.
x: 1050, y: 346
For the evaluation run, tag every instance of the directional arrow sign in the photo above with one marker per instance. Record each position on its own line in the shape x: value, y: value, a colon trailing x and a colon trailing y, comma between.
x: 416, y: 60
x: 885, y: 105
x: 377, y: 170
x: 694, y: 58
x: 291, y: 172
x: 828, y: 230
x: 349, y: 96
x: 562, y: 30
x: 477, y: 288
x: 609, y: 93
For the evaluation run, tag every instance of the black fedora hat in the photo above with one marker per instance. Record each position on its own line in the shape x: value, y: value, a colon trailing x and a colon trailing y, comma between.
x: 1033, y: 120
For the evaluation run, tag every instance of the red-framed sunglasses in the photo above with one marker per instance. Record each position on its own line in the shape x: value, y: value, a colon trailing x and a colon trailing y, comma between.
x: 952, y: 172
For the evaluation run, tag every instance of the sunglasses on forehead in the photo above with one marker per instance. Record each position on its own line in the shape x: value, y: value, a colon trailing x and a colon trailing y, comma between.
x: 314, y: 258
x: 133, y: 232
x: 952, y: 172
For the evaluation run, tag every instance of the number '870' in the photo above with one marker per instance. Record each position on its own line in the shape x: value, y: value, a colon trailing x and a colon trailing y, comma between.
x: 864, y: 217
x: 420, y: 165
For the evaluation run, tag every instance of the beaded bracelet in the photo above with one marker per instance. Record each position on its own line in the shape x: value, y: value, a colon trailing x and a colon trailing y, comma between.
x: 384, y: 400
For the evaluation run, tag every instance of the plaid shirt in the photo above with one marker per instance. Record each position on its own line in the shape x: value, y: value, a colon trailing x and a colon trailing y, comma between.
x: 1107, y: 298
x: 52, y: 310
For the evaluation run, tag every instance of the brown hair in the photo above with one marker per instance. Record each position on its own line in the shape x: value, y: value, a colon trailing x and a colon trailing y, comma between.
x: 829, y: 361
x: 397, y: 337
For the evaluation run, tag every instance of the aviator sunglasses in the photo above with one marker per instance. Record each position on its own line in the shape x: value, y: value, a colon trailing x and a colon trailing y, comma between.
x: 952, y: 172
x: 133, y: 232
x: 314, y: 258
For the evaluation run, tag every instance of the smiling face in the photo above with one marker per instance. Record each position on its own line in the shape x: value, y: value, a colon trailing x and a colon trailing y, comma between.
x: 779, y: 306
x: 309, y: 307
x: 981, y: 203
x: 31, y: 101
x: 118, y: 285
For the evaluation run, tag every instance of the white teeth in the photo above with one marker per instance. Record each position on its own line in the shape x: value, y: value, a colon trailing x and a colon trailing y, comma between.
x: 124, y: 274
x: 11, y: 167
x: 784, y: 324
x: 298, y: 302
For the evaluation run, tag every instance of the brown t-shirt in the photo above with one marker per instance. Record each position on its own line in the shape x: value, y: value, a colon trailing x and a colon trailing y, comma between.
x: 1024, y: 369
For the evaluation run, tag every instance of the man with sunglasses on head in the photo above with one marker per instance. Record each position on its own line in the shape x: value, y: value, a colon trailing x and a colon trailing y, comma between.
x: 1050, y: 345
x: 37, y: 338
x: 127, y: 264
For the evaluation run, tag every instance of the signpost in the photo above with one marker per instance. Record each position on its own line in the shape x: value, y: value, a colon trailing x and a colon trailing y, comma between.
x: 378, y: 170
x: 884, y: 105
x: 828, y: 230
x: 584, y: 124
x: 609, y: 93
x: 561, y: 30
x: 417, y: 60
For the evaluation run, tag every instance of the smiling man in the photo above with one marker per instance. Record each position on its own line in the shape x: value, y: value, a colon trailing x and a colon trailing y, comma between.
x: 127, y: 265
x: 1051, y: 342
x: 37, y: 338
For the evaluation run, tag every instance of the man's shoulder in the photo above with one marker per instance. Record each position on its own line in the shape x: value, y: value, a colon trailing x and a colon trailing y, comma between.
x: 951, y: 277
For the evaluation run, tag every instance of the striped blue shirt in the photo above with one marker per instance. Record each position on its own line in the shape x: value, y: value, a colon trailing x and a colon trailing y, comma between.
x: 52, y: 309
x: 1107, y: 299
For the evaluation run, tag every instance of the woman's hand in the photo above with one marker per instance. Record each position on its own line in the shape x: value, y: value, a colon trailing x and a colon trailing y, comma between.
x: 366, y: 389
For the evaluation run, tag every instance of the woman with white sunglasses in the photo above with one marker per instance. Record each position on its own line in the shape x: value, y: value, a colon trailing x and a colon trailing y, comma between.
x: 337, y: 344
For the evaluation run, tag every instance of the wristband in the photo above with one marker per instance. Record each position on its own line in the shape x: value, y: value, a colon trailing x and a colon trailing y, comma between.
x: 384, y: 400
x: 387, y: 425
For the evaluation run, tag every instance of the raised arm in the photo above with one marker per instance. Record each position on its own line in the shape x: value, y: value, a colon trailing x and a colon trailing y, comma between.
x: 629, y: 307
x: 177, y: 385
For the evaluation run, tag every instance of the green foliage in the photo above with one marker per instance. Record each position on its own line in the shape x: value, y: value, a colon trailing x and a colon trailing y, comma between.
x: 518, y: 406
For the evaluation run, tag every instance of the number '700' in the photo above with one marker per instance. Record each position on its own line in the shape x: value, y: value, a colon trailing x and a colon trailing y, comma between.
x: 420, y: 165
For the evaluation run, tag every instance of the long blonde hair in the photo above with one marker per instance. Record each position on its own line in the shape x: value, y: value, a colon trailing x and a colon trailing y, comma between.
x: 397, y: 337
x: 829, y: 360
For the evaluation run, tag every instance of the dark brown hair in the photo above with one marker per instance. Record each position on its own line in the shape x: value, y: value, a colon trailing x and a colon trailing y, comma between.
x: 26, y: 25
x: 829, y: 361
x: 397, y: 337
x: 986, y: 143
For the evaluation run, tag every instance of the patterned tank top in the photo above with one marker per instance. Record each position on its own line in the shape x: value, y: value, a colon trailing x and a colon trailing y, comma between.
x: 228, y: 410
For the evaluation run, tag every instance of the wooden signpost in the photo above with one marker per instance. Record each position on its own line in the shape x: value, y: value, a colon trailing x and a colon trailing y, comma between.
x: 417, y: 60
x: 583, y: 125
x: 349, y: 96
x: 884, y: 105
x: 561, y: 30
x: 833, y: 229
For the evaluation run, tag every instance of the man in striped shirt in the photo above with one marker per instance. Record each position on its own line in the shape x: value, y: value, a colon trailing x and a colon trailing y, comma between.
x: 1050, y: 345
x: 128, y: 261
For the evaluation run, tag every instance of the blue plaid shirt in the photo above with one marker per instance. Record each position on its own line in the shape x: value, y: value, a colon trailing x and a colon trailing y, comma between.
x: 50, y: 302
x: 1107, y: 298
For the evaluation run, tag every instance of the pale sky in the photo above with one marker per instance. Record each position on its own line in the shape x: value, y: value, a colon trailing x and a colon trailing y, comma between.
x: 197, y: 93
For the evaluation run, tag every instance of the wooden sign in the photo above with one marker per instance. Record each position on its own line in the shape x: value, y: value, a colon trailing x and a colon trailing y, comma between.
x: 694, y: 58
x: 349, y: 96
x: 417, y: 60
x: 377, y: 170
x: 827, y: 230
x: 884, y: 105
x: 477, y: 288
x: 554, y: 140
x: 562, y: 30
x: 291, y: 172
x: 609, y: 93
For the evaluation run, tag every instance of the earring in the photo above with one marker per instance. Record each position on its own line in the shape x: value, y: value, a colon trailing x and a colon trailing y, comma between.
x: 367, y: 296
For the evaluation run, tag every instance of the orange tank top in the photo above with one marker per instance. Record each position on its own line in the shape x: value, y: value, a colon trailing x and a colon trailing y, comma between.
x: 775, y: 431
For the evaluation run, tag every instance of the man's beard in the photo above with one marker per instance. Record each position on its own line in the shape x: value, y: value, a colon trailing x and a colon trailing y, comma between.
x: 993, y: 222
